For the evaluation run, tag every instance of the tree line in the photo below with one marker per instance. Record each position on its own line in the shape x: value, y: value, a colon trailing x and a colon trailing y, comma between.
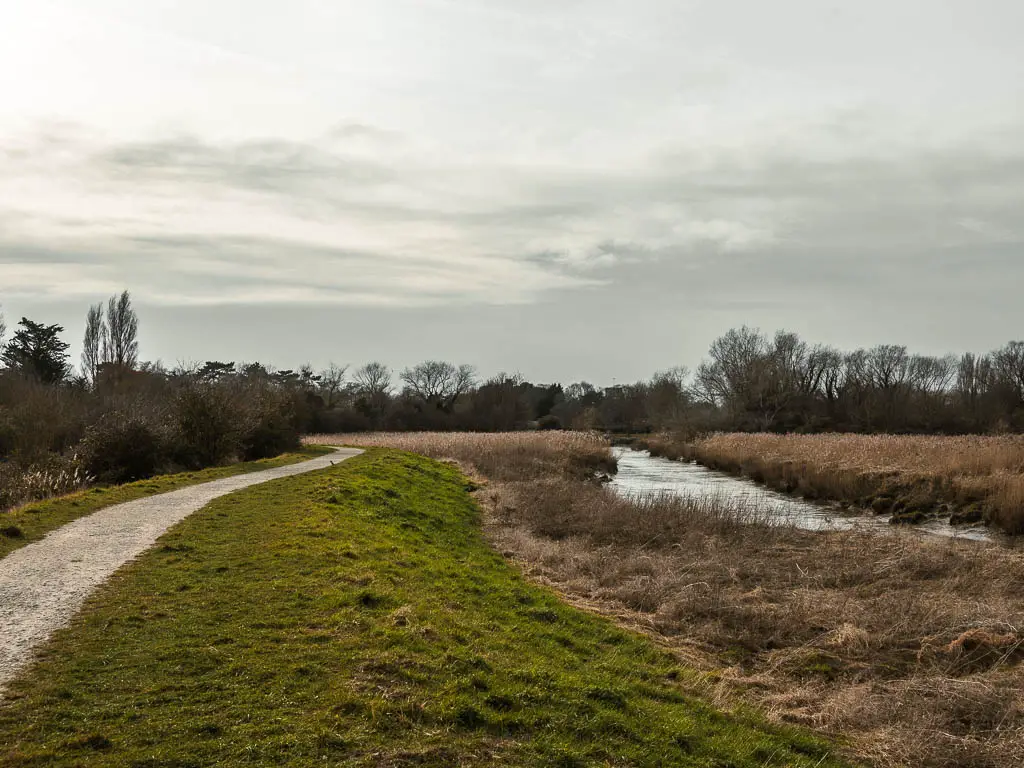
x: 125, y: 419
x: 755, y: 382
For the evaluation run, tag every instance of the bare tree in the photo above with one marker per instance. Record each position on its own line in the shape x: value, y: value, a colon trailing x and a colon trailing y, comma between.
x: 500, y: 404
x: 332, y: 382
x: 372, y: 385
x: 753, y: 378
x: 439, y: 383
x: 827, y: 366
x: 373, y: 379
x: 95, y: 332
x: 1009, y: 366
x: 668, y: 399
x: 120, y: 342
x: 730, y: 376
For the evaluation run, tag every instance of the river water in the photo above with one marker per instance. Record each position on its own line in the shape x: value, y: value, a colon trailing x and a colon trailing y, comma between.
x: 640, y: 473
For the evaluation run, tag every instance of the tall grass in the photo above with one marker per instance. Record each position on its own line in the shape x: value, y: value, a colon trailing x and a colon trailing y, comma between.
x: 55, y: 477
x: 923, y: 455
x: 908, y: 646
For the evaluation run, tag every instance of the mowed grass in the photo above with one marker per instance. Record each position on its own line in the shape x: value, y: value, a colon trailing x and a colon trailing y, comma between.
x: 32, y: 522
x: 357, y: 616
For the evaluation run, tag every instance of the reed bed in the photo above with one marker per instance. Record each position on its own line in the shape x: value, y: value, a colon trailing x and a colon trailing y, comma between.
x: 907, y: 647
x: 924, y: 455
x: 57, y: 477
x: 971, y: 478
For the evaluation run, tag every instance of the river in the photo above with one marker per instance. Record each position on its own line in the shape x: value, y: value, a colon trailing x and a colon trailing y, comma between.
x: 640, y: 473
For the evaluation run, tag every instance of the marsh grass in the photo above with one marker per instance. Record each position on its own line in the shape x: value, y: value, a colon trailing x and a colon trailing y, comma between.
x: 970, y: 478
x: 909, y: 646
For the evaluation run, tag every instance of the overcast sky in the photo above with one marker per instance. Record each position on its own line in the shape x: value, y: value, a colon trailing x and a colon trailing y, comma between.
x: 572, y: 190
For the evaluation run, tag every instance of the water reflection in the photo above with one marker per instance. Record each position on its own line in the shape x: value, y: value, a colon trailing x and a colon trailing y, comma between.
x: 641, y: 473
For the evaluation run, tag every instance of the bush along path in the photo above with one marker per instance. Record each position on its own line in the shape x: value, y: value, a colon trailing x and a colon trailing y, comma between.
x: 43, y: 584
x: 356, y: 616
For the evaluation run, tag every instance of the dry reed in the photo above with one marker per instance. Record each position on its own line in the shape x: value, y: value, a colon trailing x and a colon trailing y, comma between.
x: 966, y: 478
x: 57, y: 477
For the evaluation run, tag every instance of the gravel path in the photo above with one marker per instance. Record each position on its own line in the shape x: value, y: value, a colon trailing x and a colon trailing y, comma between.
x: 42, y: 585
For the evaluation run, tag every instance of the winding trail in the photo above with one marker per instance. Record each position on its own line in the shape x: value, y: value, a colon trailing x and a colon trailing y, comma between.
x: 42, y: 585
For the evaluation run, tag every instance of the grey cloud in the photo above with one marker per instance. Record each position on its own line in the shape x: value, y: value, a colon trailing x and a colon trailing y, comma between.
x: 773, y: 211
x: 176, y: 270
x: 363, y: 131
x: 776, y: 189
x: 268, y: 165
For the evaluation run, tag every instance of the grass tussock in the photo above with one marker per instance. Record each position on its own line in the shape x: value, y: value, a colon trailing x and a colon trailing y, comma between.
x: 908, y: 646
x: 357, y: 616
x: 911, y: 477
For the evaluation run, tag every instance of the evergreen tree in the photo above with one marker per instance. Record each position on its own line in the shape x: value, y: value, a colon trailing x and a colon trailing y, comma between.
x: 37, y: 350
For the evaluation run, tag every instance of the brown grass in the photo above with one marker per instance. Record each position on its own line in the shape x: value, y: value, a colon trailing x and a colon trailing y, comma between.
x: 908, y: 646
x: 967, y: 478
x: 498, y: 456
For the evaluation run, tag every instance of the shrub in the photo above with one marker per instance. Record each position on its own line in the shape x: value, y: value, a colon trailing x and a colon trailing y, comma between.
x: 204, y: 426
x: 36, y: 419
x: 121, y: 448
x: 268, y: 426
x: 269, y: 439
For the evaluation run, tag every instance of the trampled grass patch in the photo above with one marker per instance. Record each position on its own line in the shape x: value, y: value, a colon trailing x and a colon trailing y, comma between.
x: 33, y: 521
x: 356, y: 616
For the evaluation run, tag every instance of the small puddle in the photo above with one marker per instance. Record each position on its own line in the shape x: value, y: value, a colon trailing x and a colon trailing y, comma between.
x: 642, y: 474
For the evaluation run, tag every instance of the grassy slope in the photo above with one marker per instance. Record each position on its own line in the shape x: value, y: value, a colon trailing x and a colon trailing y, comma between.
x: 356, y: 616
x: 33, y: 521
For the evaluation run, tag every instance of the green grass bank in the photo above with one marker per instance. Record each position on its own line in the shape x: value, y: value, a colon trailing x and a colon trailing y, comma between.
x: 356, y: 616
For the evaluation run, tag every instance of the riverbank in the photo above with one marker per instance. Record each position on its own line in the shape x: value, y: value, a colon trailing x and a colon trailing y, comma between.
x: 906, y: 647
x: 910, y: 479
x: 358, y: 616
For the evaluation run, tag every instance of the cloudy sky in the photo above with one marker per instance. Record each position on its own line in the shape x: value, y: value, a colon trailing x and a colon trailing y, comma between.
x: 582, y: 189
